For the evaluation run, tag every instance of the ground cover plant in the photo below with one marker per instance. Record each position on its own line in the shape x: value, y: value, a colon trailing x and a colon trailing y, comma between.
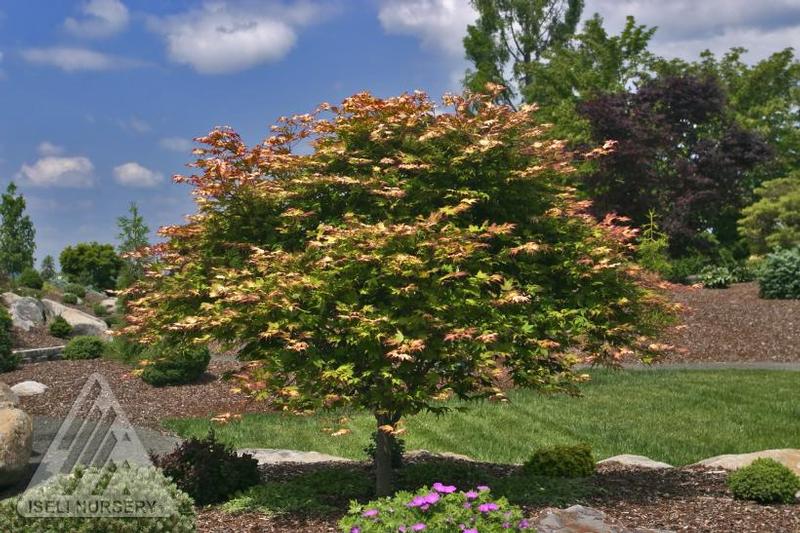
x: 172, y: 362
x: 711, y: 412
x: 412, y: 256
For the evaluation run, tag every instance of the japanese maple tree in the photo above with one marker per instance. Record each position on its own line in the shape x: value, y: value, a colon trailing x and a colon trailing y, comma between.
x: 404, y: 256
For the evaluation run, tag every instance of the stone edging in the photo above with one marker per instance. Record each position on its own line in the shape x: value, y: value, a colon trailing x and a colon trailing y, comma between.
x: 35, y: 355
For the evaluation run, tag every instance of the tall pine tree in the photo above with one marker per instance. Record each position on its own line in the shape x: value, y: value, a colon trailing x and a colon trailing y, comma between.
x: 17, y: 235
x: 132, y: 236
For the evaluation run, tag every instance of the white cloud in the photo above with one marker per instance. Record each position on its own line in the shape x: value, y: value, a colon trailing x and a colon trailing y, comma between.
x: 176, y: 144
x: 55, y: 171
x: 135, y: 175
x: 101, y: 18
x: 439, y: 24
x: 222, y: 37
x: 46, y: 148
x: 74, y: 59
x: 135, y: 124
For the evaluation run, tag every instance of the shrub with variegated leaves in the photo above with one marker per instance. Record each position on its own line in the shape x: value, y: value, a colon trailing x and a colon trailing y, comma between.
x: 407, y: 254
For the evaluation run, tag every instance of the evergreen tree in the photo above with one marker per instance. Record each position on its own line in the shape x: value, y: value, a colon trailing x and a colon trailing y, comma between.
x: 17, y: 235
x: 132, y: 236
x: 48, y: 268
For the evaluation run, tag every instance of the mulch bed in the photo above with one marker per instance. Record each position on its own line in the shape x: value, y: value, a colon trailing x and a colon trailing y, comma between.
x: 144, y: 404
x: 686, y: 499
x: 36, y: 337
x: 734, y: 325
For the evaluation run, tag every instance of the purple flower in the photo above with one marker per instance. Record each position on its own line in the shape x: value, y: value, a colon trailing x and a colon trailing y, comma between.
x: 524, y: 524
x: 369, y: 513
x: 506, y: 525
x: 467, y: 505
x: 444, y: 489
x: 487, y: 507
x: 471, y: 495
x: 432, y: 498
x: 402, y: 529
x: 418, y: 526
x: 471, y: 530
x: 482, y: 488
x: 355, y: 529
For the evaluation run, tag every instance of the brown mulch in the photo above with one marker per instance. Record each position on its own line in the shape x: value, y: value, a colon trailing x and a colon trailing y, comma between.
x: 733, y: 325
x: 36, y: 337
x: 686, y: 499
x: 144, y: 404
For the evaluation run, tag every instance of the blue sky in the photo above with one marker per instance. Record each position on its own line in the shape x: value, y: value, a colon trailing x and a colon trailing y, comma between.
x: 99, y: 99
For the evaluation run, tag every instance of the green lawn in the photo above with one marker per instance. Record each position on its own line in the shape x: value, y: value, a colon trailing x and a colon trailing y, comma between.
x: 677, y: 416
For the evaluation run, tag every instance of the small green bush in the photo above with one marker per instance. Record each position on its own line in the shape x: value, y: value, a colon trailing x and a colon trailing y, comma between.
x: 30, y: 278
x: 681, y: 269
x: 27, y: 291
x: 779, y: 276
x: 764, y: 481
x: 99, y: 310
x: 440, y: 508
x: 60, y: 328
x: 77, y: 289
x: 716, y: 277
x: 147, y: 482
x: 69, y: 298
x: 84, y: 347
x: 207, y: 470
x: 561, y: 461
x: 8, y: 360
x: 174, y: 363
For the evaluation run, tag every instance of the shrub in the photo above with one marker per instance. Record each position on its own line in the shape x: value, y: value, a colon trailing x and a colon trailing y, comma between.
x: 764, y: 481
x: 60, y: 328
x: 27, y: 291
x: 441, y: 508
x: 77, y: 289
x: 207, y: 470
x: 84, y: 347
x: 716, y: 277
x: 69, y: 298
x: 652, y: 252
x: 174, y: 363
x: 773, y: 221
x: 99, y: 310
x: 8, y: 359
x: 397, y: 449
x: 30, y: 278
x: 682, y: 268
x: 779, y: 276
x: 176, y: 506
x: 123, y: 349
x: 561, y: 461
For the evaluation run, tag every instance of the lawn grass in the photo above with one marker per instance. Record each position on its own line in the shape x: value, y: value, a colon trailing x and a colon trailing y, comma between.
x: 676, y: 416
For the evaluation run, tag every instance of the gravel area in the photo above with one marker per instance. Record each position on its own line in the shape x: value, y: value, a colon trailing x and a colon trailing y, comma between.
x: 734, y: 324
x: 36, y: 337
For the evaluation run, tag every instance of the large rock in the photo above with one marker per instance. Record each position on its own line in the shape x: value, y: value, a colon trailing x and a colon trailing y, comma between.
x: 110, y: 304
x: 28, y: 388
x: 268, y: 456
x: 788, y: 456
x: 16, y: 444
x: 580, y: 519
x: 26, y: 312
x: 639, y: 461
x: 82, y: 323
x: 8, y: 398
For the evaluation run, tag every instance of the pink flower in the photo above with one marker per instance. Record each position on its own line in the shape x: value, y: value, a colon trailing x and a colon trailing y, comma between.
x: 444, y: 489
x: 471, y: 495
x: 487, y: 507
x: 369, y: 513
x: 418, y: 527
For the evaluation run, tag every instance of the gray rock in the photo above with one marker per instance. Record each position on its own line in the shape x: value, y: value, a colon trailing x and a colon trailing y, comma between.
x: 110, y: 304
x: 272, y: 456
x: 635, y: 460
x: 29, y: 388
x: 423, y: 455
x: 82, y: 323
x: 8, y: 398
x: 580, y: 519
x: 26, y: 312
x: 16, y: 444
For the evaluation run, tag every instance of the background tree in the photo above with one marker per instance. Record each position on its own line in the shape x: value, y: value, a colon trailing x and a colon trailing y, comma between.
x: 133, y: 237
x: 412, y: 256
x: 17, y: 235
x: 774, y: 220
x: 678, y: 153
x: 48, y: 268
x: 511, y: 36
x: 91, y: 264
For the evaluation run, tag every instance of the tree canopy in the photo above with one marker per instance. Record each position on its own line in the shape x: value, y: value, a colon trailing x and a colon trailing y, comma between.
x: 91, y: 263
x: 17, y: 234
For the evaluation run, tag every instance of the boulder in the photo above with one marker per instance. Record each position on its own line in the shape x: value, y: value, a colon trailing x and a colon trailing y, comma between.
x: 639, y: 461
x: 26, y: 312
x: 788, y: 456
x: 110, y: 304
x: 82, y: 323
x: 580, y: 519
x: 16, y: 444
x: 8, y: 398
x: 28, y: 388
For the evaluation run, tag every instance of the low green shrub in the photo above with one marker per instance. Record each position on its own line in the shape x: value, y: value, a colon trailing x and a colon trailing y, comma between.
x: 69, y: 298
x: 440, y: 508
x: 561, y: 461
x: 84, y: 347
x: 99, y: 310
x: 764, y: 481
x: 8, y: 360
x: 716, y: 277
x: 174, y: 363
x: 28, y: 291
x: 779, y: 276
x: 124, y: 482
x: 60, y: 328
x: 30, y: 278
x: 76, y: 288
x: 682, y: 268
x: 207, y: 470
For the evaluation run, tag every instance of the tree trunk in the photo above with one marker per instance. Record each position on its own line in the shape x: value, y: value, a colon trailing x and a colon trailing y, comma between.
x: 383, y: 459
